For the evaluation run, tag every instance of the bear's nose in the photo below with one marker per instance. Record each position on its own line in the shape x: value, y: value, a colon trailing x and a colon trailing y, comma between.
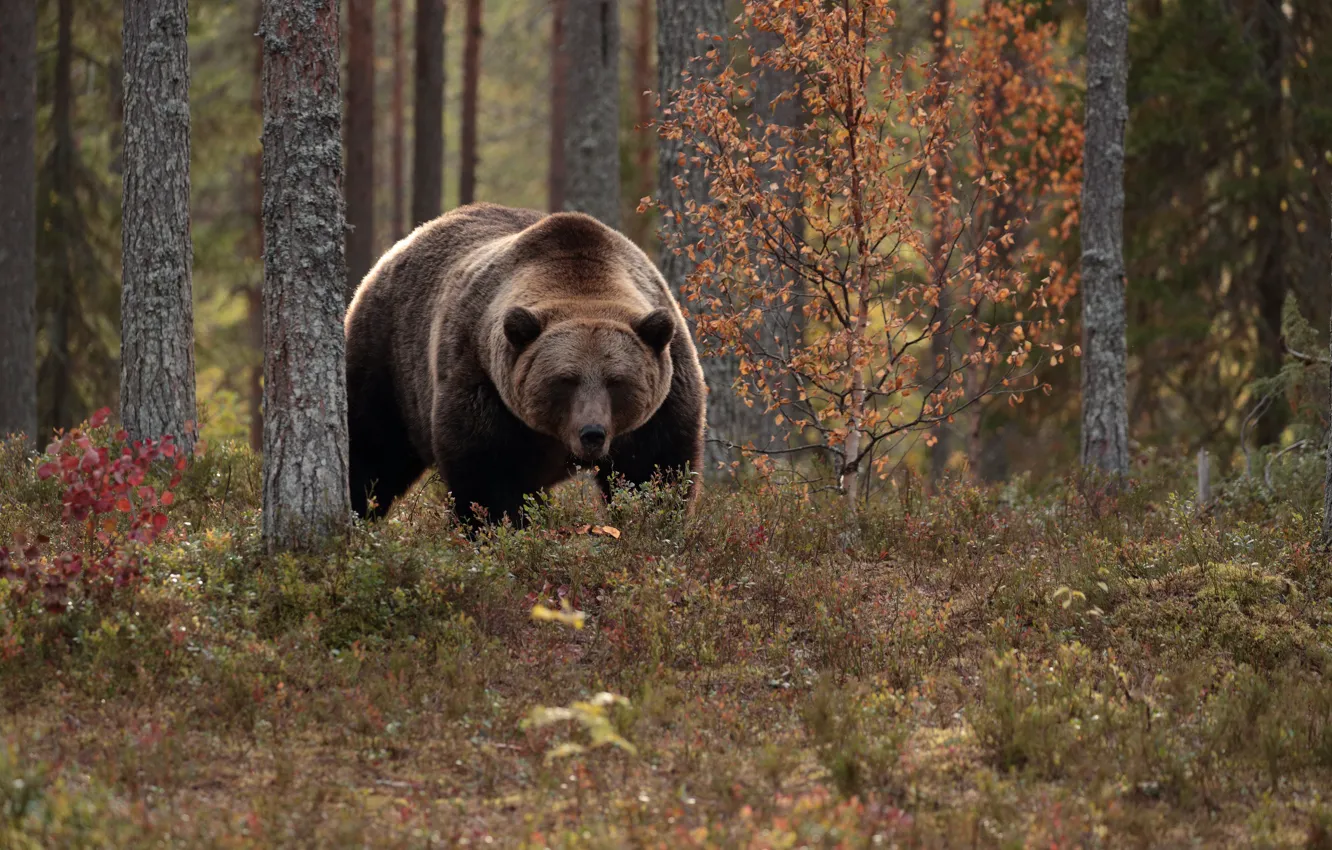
x: 593, y: 437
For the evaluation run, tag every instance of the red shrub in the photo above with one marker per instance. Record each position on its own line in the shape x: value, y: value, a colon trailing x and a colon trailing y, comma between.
x: 106, y: 492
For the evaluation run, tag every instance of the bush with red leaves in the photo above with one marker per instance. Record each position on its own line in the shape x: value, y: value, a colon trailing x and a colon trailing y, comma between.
x: 116, y: 512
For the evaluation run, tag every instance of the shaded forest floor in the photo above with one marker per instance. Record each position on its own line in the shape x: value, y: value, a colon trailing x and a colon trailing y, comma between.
x: 1004, y: 667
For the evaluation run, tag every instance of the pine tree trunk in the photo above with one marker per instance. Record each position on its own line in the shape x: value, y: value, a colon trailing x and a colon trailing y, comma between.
x: 470, y: 82
x: 58, y: 406
x: 781, y: 326
x: 1327, y: 482
x: 306, y: 494
x: 156, y: 305
x: 397, y: 135
x: 644, y: 149
x: 360, y: 238
x: 254, y: 294
x: 678, y: 52
x: 1104, y: 346
x: 1269, y: 26
x: 591, y: 47
x: 559, y: 79
x: 18, y: 220
x: 941, y: 344
x: 428, y: 118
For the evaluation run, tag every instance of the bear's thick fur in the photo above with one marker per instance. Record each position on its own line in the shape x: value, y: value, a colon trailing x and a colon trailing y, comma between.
x: 506, y: 348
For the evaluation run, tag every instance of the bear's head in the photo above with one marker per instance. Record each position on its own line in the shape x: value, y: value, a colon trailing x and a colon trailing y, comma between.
x: 586, y: 380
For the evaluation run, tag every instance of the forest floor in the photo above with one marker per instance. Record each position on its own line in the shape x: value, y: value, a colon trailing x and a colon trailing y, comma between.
x: 1014, y: 666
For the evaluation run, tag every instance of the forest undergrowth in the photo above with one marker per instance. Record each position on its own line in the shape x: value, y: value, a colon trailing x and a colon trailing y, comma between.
x: 1033, y: 664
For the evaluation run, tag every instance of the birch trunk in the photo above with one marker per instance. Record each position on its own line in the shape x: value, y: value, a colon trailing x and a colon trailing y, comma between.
x: 156, y: 305
x: 591, y: 47
x: 18, y: 220
x: 306, y: 494
x: 1104, y: 347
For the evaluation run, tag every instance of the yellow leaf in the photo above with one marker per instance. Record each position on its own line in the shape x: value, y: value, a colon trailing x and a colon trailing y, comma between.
x: 566, y: 614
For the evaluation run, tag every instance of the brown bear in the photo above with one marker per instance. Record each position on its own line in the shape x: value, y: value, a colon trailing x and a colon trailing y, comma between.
x: 508, y: 348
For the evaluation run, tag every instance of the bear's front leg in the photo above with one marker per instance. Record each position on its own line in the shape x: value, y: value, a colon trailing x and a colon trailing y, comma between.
x: 491, y: 460
x: 669, y: 444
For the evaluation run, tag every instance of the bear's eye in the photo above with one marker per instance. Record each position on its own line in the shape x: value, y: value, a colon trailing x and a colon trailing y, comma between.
x: 566, y: 382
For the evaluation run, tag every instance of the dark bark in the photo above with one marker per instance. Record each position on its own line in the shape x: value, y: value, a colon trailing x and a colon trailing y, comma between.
x: 1270, y: 238
x: 559, y: 78
x: 1327, y: 481
x: 360, y: 140
x: 397, y: 134
x: 254, y: 294
x: 679, y: 51
x: 471, y: 78
x: 156, y: 304
x: 428, y: 119
x: 1104, y: 345
x: 58, y: 406
x: 644, y: 140
x: 591, y: 46
x: 941, y: 344
x: 774, y: 106
x: 18, y: 220
x: 306, y: 494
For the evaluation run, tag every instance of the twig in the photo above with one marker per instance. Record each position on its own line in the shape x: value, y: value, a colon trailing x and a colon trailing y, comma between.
x: 1307, y: 358
x: 1267, y: 470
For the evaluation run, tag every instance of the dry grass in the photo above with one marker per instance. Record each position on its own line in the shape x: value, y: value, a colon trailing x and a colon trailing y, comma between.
x: 1002, y: 667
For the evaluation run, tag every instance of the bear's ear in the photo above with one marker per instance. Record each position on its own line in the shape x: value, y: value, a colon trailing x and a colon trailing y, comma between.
x: 656, y: 329
x: 521, y: 327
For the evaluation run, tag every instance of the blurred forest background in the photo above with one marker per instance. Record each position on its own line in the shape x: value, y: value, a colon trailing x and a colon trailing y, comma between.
x: 1226, y: 222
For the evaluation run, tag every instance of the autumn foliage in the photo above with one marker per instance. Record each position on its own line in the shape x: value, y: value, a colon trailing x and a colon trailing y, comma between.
x: 113, y: 509
x: 816, y: 264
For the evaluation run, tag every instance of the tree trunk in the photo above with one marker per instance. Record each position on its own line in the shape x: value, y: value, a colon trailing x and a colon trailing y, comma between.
x: 306, y: 494
x: 471, y: 78
x: 58, y: 406
x: 397, y: 134
x: 941, y: 344
x: 360, y: 129
x: 781, y: 326
x: 678, y: 51
x: 644, y: 149
x: 559, y: 78
x: 591, y: 46
x: 1270, y: 237
x: 156, y: 304
x: 18, y: 220
x: 1327, y: 481
x: 428, y: 150
x: 1104, y: 346
x: 254, y: 294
